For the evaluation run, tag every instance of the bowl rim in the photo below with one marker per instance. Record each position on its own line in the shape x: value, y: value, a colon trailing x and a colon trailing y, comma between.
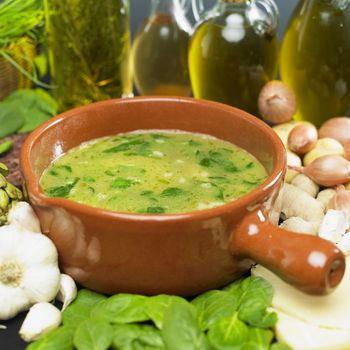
x: 33, y: 188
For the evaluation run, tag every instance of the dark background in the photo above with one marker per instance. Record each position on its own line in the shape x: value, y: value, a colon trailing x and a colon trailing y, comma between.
x: 139, y: 9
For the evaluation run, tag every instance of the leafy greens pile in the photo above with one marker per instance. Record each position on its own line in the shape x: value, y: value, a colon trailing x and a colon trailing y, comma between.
x: 234, y: 318
x: 24, y: 110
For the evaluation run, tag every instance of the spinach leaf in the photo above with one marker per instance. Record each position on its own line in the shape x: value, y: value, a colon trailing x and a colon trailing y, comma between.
x: 181, y: 330
x: 61, y: 191
x: 34, y: 105
x: 122, y: 183
x: 137, y: 337
x: 92, y: 334
x: 214, y: 305
x: 58, y: 339
x: 172, y: 192
x: 121, y: 308
x: 255, y: 295
x: 228, y: 333
x: 10, y: 120
x: 156, y: 307
x: 5, y: 146
x: 81, y: 307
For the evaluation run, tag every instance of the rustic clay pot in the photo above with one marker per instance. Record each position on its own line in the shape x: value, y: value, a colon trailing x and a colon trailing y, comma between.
x: 182, y: 254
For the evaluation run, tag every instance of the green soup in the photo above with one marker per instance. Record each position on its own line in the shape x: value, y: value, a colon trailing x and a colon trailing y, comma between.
x: 154, y: 173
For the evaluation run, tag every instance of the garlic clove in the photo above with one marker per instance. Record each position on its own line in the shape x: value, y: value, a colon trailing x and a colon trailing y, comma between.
x: 329, y: 170
x: 68, y: 290
x: 344, y: 243
x: 337, y: 128
x: 306, y: 184
x: 325, y: 196
x: 333, y: 226
x: 323, y: 147
x: 41, y: 318
x: 276, y: 102
x: 292, y: 160
x: 341, y: 201
x: 302, y: 138
x: 299, y: 225
x: 23, y: 215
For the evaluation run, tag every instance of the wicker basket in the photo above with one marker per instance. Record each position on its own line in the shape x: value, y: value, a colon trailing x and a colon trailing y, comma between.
x: 23, y: 52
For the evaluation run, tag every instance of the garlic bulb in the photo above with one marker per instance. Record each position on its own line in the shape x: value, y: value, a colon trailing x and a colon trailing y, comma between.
x: 302, y: 138
x: 41, y: 319
x: 276, y: 102
x: 336, y: 128
x: 68, y: 290
x: 28, y: 270
x: 328, y: 170
x: 23, y: 215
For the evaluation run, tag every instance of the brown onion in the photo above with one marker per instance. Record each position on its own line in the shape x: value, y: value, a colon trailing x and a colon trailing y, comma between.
x: 329, y: 170
x: 302, y: 138
x: 341, y: 201
x: 346, y: 146
x: 276, y: 102
x: 336, y: 128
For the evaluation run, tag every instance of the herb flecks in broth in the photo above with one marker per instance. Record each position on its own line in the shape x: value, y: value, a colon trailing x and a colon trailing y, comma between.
x: 154, y: 173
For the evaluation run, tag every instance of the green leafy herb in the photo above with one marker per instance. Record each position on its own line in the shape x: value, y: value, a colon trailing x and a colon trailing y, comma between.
x: 92, y: 334
x: 280, y: 346
x: 10, y: 120
x: 135, y: 145
x: 172, y: 192
x: 122, y: 183
x: 138, y: 337
x: 35, y: 106
x: 155, y: 210
x: 181, y: 330
x: 156, y: 307
x: 121, y: 308
x: 5, y: 146
x: 89, y: 179
x: 159, y: 136
x: 146, y: 193
x: 61, y: 191
x: 214, y: 305
x: 81, y: 308
x: 194, y: 143
x: 219, y: 179
x: 58, y: 339
x: 259, y: 338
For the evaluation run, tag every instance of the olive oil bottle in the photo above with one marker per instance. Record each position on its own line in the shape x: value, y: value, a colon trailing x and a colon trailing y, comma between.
x: 234, y: 53
x: 159, y: 53
x: 315, y: 59
x: 89, y: 44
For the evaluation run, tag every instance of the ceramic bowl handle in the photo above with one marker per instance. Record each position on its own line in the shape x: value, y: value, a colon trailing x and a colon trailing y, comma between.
x: 309, y: 263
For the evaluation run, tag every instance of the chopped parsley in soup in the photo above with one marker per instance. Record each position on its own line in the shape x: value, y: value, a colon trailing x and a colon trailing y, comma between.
x: 154, y: 172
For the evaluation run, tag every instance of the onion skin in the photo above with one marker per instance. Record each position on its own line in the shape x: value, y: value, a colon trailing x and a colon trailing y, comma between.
x: 302, y: 138
x: 329, y: 170
x: 341, y: 201
x: 336, y: 128
x: 346, y: 146
x: 276, y: 102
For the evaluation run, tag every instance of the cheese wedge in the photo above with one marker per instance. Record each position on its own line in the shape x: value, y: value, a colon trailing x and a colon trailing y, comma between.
x: 331, y: 311
x: 300, y: 335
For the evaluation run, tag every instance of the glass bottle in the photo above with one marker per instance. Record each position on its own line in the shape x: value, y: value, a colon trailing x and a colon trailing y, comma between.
x: 89, y: 44
x: 159, y: 54
x: 315, y: 59
x: 234, y: 52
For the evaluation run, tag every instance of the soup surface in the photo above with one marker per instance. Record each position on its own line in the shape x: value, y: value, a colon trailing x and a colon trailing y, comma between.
x: 154, y: 172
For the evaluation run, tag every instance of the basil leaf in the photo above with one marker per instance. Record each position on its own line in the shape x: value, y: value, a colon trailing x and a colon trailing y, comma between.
x: 255, y: 295
x: 58, y: 339
x: 228, y: 333
x: 92, y: 334
x: 5, y: 146
x: 35, y: 105
x: 156, y: 306
x: 214, y: 305
x: 134, y: 336
x: 259, y: 339
x: 121, y: 308
x: 280, y: 346
x: 172, y: 192
x: 81, y: 307
x: 10, y: 120
x: 181, y: 330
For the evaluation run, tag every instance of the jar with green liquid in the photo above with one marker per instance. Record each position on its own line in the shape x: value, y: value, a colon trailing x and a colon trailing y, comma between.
x: 315, y: 59
x: 234, y: 51
x: 89, y: 43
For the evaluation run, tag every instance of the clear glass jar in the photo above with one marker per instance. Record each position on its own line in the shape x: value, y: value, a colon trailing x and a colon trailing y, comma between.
x: 89, y: 44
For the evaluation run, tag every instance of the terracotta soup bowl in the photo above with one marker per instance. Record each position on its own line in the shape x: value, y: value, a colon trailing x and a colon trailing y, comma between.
x: 182, y: 254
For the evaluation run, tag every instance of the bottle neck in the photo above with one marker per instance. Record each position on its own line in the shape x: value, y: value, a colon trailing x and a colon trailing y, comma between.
x: 162, y: 6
